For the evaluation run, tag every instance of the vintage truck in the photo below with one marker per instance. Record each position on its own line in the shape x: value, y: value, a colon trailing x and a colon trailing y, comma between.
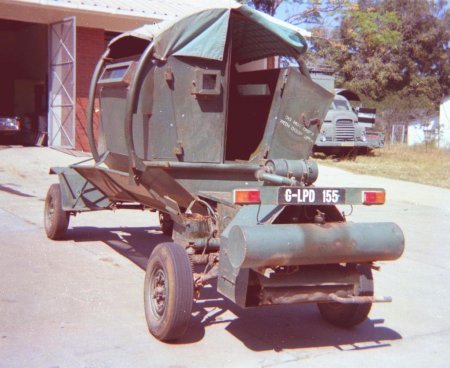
x: 224, y: 156
x: 348, y: 128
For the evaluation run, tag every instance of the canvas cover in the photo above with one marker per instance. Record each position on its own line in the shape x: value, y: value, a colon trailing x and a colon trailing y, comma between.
x: 203, y: 34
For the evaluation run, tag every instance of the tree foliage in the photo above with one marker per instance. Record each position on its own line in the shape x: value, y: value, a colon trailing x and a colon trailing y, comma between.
x: 393, y: 52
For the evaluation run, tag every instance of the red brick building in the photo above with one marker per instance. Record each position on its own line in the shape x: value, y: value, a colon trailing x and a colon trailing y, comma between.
x: 49, y: 48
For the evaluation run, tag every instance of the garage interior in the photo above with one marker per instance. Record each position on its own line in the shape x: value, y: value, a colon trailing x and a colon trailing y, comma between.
x: 48, y: 51
x: 23, y: 75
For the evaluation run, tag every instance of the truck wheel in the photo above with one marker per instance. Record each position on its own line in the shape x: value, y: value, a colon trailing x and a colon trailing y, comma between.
x: 349, y: 315
x: 56, y: 220
x: 168, y: 291
x: 166, y: 223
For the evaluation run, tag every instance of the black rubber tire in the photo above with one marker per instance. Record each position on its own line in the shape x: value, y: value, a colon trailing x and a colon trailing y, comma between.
x: 168, y: 292
x: 166, y: 223
x: 349, y: 315
x: 56, y: 220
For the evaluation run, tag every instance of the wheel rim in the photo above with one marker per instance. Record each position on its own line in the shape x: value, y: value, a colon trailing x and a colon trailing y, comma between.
x: 158, y: 292
x: 50, y: 211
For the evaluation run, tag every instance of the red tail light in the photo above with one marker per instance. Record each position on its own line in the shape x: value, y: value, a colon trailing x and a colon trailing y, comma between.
x: 247, y: 196
x: 374, y: 197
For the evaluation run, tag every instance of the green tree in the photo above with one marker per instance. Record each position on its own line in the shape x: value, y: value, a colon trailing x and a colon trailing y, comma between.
x: 393, y: 52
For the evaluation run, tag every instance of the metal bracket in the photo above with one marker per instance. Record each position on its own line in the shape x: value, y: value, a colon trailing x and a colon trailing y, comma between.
x: 168, y: 74
x: 178, y: 149
x: 307, y: 124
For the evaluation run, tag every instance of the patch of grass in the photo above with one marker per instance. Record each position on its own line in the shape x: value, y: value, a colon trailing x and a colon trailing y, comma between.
x: 423, y: 164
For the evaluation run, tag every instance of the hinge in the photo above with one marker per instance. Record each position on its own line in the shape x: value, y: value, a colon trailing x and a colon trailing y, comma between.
x: 178, y: 149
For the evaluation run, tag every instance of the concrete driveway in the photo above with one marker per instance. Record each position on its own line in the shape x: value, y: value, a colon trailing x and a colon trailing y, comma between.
x: 79, y: 303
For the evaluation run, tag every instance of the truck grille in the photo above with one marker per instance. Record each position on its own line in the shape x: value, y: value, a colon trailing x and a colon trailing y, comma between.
x: 345, y: 130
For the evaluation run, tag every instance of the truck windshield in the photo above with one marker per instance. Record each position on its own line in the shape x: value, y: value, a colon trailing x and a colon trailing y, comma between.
x: 341, y: 105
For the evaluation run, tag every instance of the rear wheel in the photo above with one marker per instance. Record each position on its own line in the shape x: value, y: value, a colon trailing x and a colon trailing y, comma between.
x: 349, y: 315
x: 56, y: 220
x: 168, y: 292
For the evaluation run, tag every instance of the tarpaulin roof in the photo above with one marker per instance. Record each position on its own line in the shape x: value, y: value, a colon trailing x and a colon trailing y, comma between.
x: 203, y: 34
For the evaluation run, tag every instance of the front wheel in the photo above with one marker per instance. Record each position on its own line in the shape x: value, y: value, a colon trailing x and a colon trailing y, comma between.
x: 56, y: 220
x: 349, y: 315
x: 168, y: 292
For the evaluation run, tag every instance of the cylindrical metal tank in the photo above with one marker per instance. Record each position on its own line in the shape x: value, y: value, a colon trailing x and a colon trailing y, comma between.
x: 308, y: 244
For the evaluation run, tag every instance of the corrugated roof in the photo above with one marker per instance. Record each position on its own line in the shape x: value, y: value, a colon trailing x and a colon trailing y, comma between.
x: 154, y: 9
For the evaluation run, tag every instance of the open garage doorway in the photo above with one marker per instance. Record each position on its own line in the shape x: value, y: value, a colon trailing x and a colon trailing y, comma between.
x: 23, y: 87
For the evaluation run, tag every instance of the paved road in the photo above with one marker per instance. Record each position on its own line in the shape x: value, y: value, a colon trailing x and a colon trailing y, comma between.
x: 78, y: 303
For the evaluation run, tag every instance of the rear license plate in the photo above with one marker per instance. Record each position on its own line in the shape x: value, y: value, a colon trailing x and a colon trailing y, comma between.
x: 317, y: 196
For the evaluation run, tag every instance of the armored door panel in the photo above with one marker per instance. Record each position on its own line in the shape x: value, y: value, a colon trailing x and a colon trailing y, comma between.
x: 112, y: 105
x: 297, y: 115
x: 198, y: 100
x: 154, y: 127
x: 62, y: 74
x: 180, y: 114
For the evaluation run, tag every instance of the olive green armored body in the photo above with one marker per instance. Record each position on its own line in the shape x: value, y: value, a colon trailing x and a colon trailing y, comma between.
x: 220, y: 147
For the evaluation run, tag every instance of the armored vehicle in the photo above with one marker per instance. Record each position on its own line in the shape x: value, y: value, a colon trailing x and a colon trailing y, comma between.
x: 224, y: 156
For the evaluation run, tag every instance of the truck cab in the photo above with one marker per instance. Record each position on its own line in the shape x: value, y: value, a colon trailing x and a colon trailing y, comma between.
x: 340, y: 131
x: 348, y: 128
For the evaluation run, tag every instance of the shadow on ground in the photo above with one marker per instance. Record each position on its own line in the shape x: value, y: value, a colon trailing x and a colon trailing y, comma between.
x: 275, y: 328
x: 134, y: 243
x: 7, y: 188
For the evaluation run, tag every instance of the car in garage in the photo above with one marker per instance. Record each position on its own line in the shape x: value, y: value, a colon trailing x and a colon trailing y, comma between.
x: 10, y: 125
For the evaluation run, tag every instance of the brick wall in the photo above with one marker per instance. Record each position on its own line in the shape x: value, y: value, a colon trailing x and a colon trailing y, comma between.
x: 90, y: 46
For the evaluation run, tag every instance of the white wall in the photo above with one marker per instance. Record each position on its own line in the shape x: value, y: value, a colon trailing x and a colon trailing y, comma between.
x: 444, y: 123
x: 416, y: 134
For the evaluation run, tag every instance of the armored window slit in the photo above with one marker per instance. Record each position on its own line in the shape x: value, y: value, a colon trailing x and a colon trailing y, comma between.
x: 206, y: 83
